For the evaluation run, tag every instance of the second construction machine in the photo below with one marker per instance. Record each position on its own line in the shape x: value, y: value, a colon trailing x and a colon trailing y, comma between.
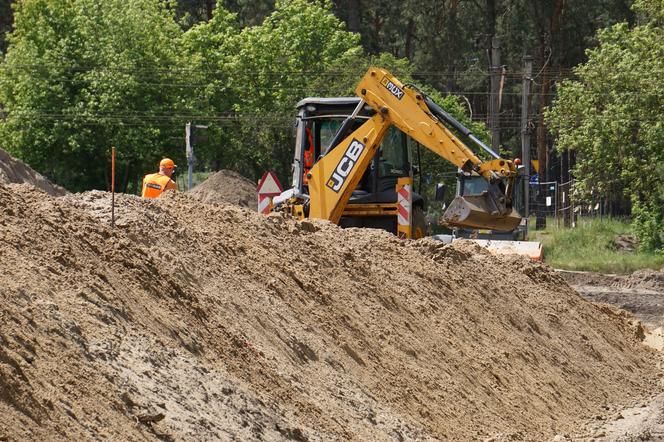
x: 352, y: 164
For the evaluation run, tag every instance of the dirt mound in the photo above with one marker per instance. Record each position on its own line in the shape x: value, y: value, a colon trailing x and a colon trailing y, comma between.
x: 16, y: 172
x: 204, y: 322
x: 577, y: 278
x: 641, y: 293
x: 645, y: 279
x: 227, y: 186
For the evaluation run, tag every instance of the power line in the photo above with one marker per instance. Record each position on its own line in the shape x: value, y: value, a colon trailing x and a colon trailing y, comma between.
x: 280, y: 73
x: 307, y: 91
x: 265, y: 120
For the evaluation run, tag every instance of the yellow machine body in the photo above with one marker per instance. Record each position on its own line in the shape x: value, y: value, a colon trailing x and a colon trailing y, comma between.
x: 336, y: 174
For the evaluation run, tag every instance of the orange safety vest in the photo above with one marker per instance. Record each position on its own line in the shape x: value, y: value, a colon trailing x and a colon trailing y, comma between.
x: 154, y: 185
x: 308, y: 155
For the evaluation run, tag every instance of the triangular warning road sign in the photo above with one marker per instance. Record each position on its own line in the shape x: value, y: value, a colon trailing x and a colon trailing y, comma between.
x: 269, y: 185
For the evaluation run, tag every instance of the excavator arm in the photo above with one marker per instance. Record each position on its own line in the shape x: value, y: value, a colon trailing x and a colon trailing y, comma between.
x: 334, y: 177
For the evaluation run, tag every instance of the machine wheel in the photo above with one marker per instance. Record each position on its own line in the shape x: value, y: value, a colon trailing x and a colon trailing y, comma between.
x: 420, y: 227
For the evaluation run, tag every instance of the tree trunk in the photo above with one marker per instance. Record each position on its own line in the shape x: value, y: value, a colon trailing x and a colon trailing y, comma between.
x: 354, y: 16
x: 209, y: 9
x: 541, y: 129
x: 549, y: 36
x: 410, y: 29
x: 490, y: 21
x: 6, y: 23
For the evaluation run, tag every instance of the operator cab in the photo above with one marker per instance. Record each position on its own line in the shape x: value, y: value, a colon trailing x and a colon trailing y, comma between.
x: 318, y: 121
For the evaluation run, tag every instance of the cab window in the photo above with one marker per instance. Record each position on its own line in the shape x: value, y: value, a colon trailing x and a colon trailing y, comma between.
x: 327, y: 131
x: 393, y: 155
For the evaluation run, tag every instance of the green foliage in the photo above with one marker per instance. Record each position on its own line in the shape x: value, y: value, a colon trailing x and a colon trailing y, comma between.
x: 613, y: 117
x: 448, y: 42
x: 652, y: 11
x: 256, y: 75
x: 82, y: 76
x: 647, y: 223
x: 295, y: 53
x: 591, y: 246
x: 209, y: 50
x: 444, y: 41
x: 6, y: 20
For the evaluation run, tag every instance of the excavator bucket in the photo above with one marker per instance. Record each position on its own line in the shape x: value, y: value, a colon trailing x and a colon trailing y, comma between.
x: 480, y: 212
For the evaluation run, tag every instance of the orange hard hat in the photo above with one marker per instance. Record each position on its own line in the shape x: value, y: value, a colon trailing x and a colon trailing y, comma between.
x: 167, y: 163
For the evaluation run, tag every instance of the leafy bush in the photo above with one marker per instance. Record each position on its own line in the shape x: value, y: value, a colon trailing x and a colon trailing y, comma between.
x: 613, y: 117
x: 648, y: 226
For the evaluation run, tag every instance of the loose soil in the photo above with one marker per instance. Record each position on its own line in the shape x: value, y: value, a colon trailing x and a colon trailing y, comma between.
x: 227, y: 186
x: 205, y: 321
x: 641, y: 293
x: 15, y: 171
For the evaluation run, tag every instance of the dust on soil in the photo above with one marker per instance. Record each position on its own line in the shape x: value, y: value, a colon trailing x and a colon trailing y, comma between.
x: 206, y: 322
x: 227, y: 186
x: 16, y: 172
x: 641, y: 293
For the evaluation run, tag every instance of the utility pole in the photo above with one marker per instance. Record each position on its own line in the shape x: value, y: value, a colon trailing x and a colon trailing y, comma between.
x: 525, y: 130
x: 190, y: 154
x: 494, y: 102
x: 190, y: 151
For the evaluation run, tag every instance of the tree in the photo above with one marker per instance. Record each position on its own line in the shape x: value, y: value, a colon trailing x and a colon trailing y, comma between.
x: 6, y: 20
x: 248, y: 12
x: 256, y: 75
x: 81, y: 76
x: 447, y: 41
x: 613, y: 118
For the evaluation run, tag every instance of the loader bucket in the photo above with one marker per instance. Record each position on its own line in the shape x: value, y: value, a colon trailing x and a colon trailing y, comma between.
x: 480, y: 212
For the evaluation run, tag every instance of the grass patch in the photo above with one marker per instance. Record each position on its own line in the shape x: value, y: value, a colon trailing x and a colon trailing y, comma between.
x: 591, y: 246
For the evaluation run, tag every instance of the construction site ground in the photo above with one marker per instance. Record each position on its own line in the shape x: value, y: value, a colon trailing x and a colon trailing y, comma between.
x: 641, y: 294
x: 192, y: 320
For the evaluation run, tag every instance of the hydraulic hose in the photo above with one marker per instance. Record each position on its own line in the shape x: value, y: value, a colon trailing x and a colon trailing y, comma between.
x: 439, y: 113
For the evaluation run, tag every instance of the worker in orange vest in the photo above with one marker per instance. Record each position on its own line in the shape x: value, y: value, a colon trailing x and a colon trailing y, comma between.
x: 309, y: 153
x: 154, y: 184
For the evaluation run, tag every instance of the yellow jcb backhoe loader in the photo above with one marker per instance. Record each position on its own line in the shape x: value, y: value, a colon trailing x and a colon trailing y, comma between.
x: 352, y: 164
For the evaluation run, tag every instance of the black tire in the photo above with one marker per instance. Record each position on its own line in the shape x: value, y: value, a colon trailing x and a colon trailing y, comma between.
x: 420, y: 226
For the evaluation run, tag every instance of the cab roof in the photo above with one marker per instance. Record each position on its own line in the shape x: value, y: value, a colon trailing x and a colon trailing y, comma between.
x: 341, y: 101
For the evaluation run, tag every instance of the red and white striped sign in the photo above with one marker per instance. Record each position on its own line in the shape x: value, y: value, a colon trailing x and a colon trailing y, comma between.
x: 404, y: 204
x: 264, y: 204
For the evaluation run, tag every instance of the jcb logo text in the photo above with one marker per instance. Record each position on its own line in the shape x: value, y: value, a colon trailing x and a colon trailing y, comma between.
x: 393, y: 88
x: 345, y: 166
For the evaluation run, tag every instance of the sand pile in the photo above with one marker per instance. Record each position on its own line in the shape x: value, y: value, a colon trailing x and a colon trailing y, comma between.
x: 641, y: 293
x: 204, y: 322
x: 644, y: 279
x: 647, y: 279
x: 15, y: 171
x: 227, y: 186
